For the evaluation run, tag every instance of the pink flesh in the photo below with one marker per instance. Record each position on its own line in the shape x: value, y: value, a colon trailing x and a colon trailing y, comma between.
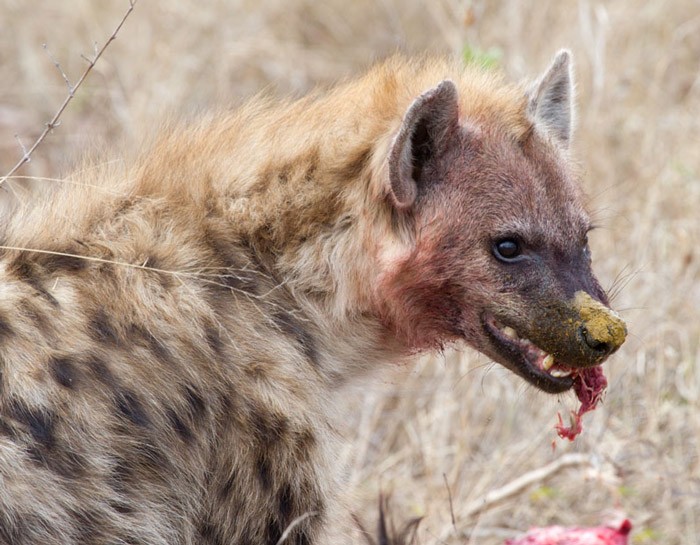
x: 589, y: 385
x: 557, y: 535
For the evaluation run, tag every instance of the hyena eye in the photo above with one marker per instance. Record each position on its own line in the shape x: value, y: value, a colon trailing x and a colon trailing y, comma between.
x: 507, y: 249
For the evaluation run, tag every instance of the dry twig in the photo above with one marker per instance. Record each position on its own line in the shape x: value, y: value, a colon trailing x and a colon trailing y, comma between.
x: 531, y: 477
x: 55, y: 120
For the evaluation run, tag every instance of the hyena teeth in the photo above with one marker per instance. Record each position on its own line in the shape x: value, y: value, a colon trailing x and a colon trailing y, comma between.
x: 547, y: 362
x: 559, y: 373
x: 510, y: 332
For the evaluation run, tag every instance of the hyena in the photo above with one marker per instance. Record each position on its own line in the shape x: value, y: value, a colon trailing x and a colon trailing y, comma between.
x: 175, y: 336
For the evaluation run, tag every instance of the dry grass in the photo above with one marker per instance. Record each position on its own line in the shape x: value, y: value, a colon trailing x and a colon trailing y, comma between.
x: 452, y: 419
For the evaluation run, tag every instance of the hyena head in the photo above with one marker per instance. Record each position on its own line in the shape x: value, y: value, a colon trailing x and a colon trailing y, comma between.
x: 499, y: 255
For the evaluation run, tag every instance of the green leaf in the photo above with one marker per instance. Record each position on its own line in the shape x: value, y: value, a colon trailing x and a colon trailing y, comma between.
x: 489, y: 59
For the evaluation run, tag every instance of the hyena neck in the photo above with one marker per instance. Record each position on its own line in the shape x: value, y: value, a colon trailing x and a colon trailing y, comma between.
x: 309, y: 225
x: 317, y: 218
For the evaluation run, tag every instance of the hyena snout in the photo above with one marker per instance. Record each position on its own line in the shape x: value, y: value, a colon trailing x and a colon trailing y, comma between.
x: 578, y: 332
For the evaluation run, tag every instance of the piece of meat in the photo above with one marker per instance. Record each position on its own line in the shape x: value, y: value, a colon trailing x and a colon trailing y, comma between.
x: 558, y: 535
x: 589, y: 385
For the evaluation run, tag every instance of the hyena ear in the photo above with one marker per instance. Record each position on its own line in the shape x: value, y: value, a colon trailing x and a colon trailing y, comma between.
x: 429, y: 121
x: 550, y: 99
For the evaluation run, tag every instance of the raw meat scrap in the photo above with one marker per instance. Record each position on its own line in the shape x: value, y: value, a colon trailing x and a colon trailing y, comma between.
x: 559, y: 535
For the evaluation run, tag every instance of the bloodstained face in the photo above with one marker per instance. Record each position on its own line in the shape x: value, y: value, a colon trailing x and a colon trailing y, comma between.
x: 501, y: 257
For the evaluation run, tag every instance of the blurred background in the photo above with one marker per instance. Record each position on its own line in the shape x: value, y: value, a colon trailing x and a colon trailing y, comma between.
x: 450, y: 438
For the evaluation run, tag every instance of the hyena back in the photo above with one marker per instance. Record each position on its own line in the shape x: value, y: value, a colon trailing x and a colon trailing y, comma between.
x: 174, y: 336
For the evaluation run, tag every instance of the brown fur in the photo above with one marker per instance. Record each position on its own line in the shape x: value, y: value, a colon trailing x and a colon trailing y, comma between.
x: 173, y: 334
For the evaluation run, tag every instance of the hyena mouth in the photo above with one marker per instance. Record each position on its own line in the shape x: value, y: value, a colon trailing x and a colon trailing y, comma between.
x: 527, y: 360
x: 542, y: 370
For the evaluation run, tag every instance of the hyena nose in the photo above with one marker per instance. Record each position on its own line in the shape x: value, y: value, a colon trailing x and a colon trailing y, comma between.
x: 600, y: 347
x: 601, y: 330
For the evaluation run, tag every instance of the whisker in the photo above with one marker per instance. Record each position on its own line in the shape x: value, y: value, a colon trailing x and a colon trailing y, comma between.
x: 621, y: 281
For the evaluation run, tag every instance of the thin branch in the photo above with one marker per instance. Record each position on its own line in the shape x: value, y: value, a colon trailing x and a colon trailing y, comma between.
x: 71, y: 89
x: 71, y: 93
x: 531, y: 477
x: 21, y: 145
x: 180, y: 275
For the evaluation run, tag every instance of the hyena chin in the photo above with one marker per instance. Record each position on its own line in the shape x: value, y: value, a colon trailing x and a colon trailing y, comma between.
x: 174, y: 334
